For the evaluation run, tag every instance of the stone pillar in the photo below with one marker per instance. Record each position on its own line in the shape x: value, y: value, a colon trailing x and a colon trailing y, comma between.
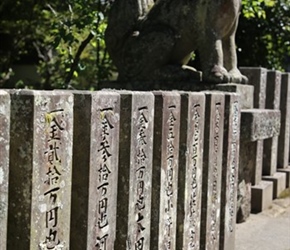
x: 190, y: 170
x: 272, y: 102
x: 135, y: 170
x: 4, y: 164
x: 257, y: 78
x: 283, y: 149
x: 230, y: 172
x: 165, y: 171
x: 40, y: 170
x: 104, y: 161
x: 80, y: 169
x: 212, y: 170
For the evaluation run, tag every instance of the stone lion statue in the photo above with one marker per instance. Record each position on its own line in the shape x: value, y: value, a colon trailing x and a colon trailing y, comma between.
x: 150, y: 40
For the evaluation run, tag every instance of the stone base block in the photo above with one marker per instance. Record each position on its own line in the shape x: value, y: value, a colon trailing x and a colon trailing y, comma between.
x: 262, y: 196
x: 279, y: 183
x: 246, y: 91
x: 287, y: 172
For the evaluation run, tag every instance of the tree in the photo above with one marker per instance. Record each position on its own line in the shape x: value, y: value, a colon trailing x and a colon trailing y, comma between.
x: 263, y: 37
x: 66, y: 39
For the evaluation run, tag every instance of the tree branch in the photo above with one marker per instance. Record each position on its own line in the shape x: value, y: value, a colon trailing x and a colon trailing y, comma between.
x: 77, y: 58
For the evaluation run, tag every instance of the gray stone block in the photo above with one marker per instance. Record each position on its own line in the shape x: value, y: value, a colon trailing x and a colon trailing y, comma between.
x: 262, y: 196
x: 230, y: 171
x: 4, y: 164
x: 257, y: 78
x: 243, y: 201
x: 40, y: 170
x: 211, y: 180
x: 80, y: 170
x: 103, y: 175
x: 287, y: 171
x: 190, y: 170
x: 283, y: 147
x: 246, y: 91
x: 259, y: 124
x: 279, y: 183
x: 165, y: 171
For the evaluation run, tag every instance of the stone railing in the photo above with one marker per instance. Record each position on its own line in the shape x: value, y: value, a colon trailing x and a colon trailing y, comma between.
x: 138, y: 170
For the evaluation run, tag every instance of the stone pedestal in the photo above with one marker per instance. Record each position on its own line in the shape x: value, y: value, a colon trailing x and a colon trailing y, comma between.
x: 211, y: 180
x: 262, y: 196
x: 279, y: 183
x: 272, y: 102
x: 165, y: 171
x: 246, y: 91
x: 287, y: 172
x: 40, y: 170
x: 283, y: 147
x: 230, y: 171
x: 258, y: 79
x: 190, y: 170
x: 104, y: 162
x: 4, y: 164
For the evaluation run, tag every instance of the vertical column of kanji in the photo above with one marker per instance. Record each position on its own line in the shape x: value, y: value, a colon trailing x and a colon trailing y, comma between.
x: 190, y: 172
x: 211, y: 181
x: 141, y: 156
x: 4, y: 164
x: 104, y: 161
x: 230, y: 171
x: 165, y: 171
x: 52, y: 169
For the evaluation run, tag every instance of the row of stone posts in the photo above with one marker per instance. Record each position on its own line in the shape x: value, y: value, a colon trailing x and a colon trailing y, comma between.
x: 118, y: 169
x: 141, y: 170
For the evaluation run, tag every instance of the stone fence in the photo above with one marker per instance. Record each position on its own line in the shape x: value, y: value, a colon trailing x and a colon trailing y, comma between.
x: 140, y: 170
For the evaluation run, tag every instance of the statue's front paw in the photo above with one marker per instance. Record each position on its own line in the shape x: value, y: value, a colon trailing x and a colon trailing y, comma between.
x: 237, y: 77
x: 217, y: 74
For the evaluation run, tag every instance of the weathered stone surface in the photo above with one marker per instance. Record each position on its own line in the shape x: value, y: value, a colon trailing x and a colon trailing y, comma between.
x: 283, y: 146
x: 80, y: 169
x: 52, y: 170
x: 279, y: 183
x: 104, y: 154
x: 246, y: 91
x: 262, y: 196
x: 230, y: 171
x: 190, y: 170
x: 259, y: 124
x: 287, y: 171
x: 244, y: 200
x: 258, y: 78
x: 4, y: 164
x: 211, y: 180
x: 135, y: 170
x: 272, y: 102
x: 40, y: 170
x: 141, y: 39
x: 165, y: 171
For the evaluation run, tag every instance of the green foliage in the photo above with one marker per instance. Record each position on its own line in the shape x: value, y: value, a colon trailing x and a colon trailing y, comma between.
x: 67, y: 37
x: 263, y: 36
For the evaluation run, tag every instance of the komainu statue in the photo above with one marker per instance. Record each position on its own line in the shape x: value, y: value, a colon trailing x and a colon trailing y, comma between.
x: 153, y: 40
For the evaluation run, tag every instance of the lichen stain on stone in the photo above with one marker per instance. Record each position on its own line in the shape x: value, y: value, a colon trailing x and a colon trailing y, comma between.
x: 1, y: 176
